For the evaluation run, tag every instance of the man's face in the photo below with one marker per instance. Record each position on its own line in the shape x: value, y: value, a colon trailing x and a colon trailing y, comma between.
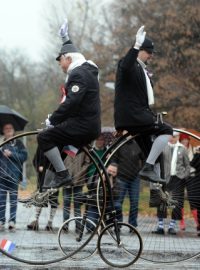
x: 8, y: 131
x: 64, y: 63
x: 100, y: 142
x: 112, y: 170
x: 174, y: 139
x: 145, y: 56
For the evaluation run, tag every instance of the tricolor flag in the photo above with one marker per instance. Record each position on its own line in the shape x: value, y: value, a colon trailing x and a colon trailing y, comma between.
x: 7, y: 245
x: 70, y: 150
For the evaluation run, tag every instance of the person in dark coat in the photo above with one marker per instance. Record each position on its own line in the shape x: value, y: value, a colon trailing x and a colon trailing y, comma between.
x: 133, y: 98
x: 129, y: 159
x: 12, y: 156
x: 177, y: 169
x: 77, y: 120
x: 194, y: 196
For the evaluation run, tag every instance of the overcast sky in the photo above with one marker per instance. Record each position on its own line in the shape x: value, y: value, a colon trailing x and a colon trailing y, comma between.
x: 20, y: 25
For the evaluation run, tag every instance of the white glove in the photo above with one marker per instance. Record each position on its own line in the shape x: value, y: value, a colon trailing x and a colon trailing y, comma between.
x: 63, y: 32
x: 47, y: 122
x: 140, y: 37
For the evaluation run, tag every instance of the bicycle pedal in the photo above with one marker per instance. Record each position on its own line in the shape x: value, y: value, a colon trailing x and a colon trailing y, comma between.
x: 172, y: 204
x: 52, y: 191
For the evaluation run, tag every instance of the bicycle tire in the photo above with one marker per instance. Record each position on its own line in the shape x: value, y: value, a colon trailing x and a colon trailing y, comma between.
x: 86, y: 252
x: 130, y: 246
x: 41, y: 247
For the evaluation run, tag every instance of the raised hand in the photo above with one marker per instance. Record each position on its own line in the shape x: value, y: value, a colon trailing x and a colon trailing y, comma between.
x: 63, y: 31
x: 140, y: 37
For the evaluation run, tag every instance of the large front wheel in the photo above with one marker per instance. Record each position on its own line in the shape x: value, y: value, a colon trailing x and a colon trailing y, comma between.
x: 35, y: 238
x: 164, y: 203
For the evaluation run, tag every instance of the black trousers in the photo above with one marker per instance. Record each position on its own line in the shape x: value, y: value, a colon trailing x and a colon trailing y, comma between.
x: 176, y: 188
x: 145, y: 139
x: 61, y: 136
x: 192, y: 185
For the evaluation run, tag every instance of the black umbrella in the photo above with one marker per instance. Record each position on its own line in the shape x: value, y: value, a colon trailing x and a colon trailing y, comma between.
x: 10, y: 116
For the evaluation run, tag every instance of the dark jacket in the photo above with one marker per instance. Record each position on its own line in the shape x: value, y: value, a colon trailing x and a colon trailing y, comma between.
x: 195, y: 163
x: 131, y: 108
x: 129, y: 159
x: 80, y: 112
x: 11, y: 168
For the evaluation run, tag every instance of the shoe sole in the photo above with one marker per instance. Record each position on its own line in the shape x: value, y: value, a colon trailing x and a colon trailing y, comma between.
x: 12, y: 230
x: 159, y: 232
x: 33, y: 229
x: 49, y: 229
x: 58, y: 186
x: 146, y: 178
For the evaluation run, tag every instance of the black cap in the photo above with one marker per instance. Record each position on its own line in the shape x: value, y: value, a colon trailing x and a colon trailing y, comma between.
x: 67, y: 47
x: 148, y: 46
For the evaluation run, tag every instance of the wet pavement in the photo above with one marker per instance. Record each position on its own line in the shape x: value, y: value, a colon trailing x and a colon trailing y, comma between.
x: 95, y: 262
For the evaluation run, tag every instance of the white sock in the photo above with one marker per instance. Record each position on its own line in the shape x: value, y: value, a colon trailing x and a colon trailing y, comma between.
x: 172, y: 224
x: 160, y: 223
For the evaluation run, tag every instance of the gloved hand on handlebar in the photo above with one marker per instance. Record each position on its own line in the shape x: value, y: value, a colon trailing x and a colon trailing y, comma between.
x: 47, y: 122
x: 140, y: 37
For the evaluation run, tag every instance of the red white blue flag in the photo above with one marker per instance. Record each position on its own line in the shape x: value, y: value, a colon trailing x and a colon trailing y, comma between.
x: 7, y: 245
x: 70, y: 150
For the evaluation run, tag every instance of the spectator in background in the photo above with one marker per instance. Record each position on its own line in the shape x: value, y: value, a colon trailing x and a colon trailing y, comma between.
x: 77, y: 167
x: 177, y: 168
x: 115, y: 187
x: 195, y: 180
x: 129, y: 159
x: 12, y: 157
x: 93, y: 214
x: 99, y: 147
x: 185, y: 140
x: 39, y: 161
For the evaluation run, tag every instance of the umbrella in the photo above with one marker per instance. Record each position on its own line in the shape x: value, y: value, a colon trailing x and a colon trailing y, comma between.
x: 194, y: 142
x: 10, y: 116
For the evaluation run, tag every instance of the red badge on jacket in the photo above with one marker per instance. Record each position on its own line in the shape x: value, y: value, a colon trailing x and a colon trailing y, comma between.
x: 63, y: 93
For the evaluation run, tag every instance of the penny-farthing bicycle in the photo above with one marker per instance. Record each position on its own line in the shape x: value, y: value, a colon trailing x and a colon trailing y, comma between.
x: 156, y: 248
x: 41, y: 247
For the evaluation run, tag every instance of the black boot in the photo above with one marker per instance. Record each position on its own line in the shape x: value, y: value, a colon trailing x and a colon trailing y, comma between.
x: 148, y: 173
x: 159, y: 231
x: 62, y: 178
x: 33, y: 226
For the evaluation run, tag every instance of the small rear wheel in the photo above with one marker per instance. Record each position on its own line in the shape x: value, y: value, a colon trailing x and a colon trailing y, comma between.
x: 76, y: 230
x: 122, y: 252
